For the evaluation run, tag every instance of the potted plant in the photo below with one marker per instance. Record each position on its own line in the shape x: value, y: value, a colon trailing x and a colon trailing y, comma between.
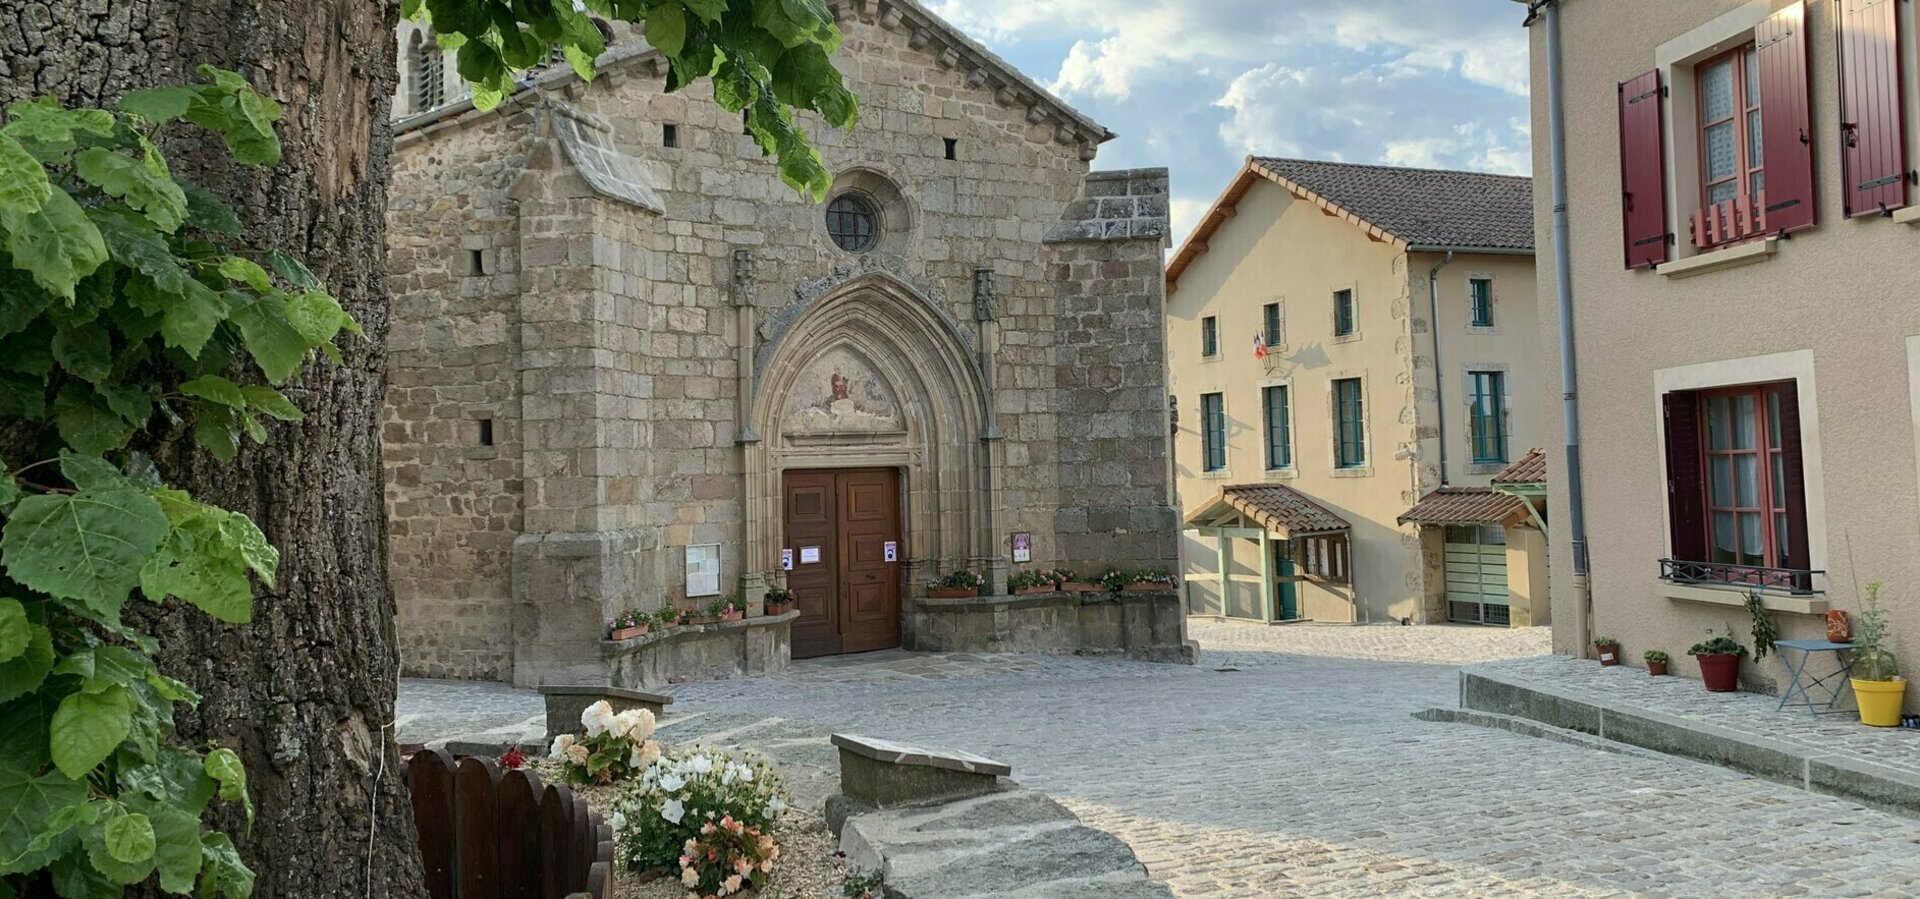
x: 731, y: 609
x: 1877, y: 685
x: 1608, y: 649
x: 778, y: 601
x: 1072, y: 583
x: 1719, y: 660
x: 629, y: 624
x: 1021, y: 583
x: 667, y: 618
x: 956, y: 585
x: 1656, y: 662
x: 1150, y: 580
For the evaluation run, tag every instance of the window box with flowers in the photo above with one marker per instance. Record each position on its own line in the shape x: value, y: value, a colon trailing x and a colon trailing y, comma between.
x: 956, y: 585
x: 629, y: 624
x: 1025, y: 583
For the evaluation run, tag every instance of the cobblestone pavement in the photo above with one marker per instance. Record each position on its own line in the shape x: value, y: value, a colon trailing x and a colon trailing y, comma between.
x: 1302, y: 773
x: 1756, y: 714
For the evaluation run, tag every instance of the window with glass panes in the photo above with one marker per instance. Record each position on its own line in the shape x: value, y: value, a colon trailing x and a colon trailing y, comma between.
x: 1209, y: 336
x: 1747, y: 517
x: 1731, y: 163
x: 1350, y: 424
x: 1213, y: 430
x: 1279, y: 440
x: 1270, y: 321
x: 1480, y: 302
x: 1486, y: 419
x: 1343, y: 314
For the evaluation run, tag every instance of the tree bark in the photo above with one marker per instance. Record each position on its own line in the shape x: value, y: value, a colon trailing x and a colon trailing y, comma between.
x: 305, y: 693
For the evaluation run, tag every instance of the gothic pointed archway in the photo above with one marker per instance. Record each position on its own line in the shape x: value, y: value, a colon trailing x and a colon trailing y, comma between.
x: 873, y: 375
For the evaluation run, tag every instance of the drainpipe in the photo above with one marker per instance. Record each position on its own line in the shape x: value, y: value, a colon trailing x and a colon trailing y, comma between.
x: 1563, y: 290
x: 1433, y: 324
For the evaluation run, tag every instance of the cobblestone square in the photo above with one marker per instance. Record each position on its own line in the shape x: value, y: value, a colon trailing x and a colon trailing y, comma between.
x: 1301, y: 771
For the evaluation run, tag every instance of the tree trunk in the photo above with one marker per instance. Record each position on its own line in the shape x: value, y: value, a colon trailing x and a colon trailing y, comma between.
x: 305, y: 693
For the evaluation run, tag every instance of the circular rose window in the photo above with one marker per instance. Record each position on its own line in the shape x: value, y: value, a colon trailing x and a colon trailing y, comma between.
x: 852, y: 222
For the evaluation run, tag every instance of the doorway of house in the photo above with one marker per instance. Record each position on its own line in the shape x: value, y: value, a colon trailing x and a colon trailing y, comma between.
x: 1476, y: 570
x: 838, y: 522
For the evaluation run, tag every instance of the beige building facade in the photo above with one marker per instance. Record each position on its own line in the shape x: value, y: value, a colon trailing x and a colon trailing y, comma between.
x: 631, y: 369
x: 1749, y: 370
x: 1318, y: 402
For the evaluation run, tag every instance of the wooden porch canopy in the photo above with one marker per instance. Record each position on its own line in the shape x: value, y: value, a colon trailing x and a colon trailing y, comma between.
x: 1466, y: 505
x: 1249, y: 510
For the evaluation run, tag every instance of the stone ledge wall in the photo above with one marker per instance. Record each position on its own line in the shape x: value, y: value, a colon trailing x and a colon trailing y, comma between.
x: 1146, y: 626
x: 751, y: 646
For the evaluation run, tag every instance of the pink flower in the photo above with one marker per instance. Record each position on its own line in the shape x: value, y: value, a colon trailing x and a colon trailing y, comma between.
x: 732, y: 884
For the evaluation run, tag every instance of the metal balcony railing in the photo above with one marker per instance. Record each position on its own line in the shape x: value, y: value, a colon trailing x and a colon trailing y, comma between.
x: 1785, y: 580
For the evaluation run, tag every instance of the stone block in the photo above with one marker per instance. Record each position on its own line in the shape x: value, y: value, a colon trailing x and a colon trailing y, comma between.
x: 566, y: 702
x: 884, y: 774
x: 1487, y: 694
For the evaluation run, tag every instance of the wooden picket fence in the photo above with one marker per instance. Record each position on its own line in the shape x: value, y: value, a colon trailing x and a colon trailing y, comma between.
x: 485, y: 834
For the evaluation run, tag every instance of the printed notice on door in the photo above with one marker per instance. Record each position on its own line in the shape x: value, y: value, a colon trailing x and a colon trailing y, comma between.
x: 809, y: 555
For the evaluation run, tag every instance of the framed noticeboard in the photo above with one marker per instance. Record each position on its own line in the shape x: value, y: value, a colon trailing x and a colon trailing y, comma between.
x: 1022, y: 546
x: 703, y: 570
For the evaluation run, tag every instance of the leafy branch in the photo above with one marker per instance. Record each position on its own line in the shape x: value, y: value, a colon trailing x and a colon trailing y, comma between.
x: 766, y: 58
x: 126, y: 310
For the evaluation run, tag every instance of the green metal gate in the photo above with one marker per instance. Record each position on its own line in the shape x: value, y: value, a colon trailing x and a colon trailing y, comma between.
x: 1476, y: 569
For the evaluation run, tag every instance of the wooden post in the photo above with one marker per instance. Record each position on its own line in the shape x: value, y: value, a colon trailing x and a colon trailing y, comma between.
x: 1266, y: 576
x: 1226, y: 600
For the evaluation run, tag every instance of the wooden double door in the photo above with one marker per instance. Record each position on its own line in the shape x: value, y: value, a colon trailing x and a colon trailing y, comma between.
x: 838, y: 525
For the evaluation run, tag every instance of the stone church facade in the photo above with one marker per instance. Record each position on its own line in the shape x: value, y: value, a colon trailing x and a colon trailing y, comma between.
x: 629, y: 368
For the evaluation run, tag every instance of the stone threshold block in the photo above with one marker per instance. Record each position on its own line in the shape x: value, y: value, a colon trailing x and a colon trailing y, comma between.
x: 883, y: 774
x: 566, y: 702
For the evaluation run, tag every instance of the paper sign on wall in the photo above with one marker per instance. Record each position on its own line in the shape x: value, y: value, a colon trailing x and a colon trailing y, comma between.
x: 703, y: 570
x: 1022, y: 546
x: 809, y: 555
x: 786, y: 559
x: 893, y: 550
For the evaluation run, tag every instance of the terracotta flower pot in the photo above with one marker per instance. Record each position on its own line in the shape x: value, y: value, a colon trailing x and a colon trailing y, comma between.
x: 1028, y: 591
x: 1609, y: 653
x: 1147, y: 587
x: 952, y: 592
x: 1079, y: 587
x: 1656, y: 669
x: 628, y: 633
x: 732, y: 616
x: 1720, y: 672
x: 779, y: 608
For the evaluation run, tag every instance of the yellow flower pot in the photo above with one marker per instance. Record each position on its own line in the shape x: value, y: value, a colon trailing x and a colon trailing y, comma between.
x: 1879, y: 700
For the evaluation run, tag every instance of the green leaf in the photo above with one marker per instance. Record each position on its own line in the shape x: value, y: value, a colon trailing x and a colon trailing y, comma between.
x: 223, y: 765
x: 191, y: 319
x: 176, y: 843
x: 276, y: 345
x: 57, y: 243
x: 74, y: 877
x: 23, y: 728
x: 132, y: 242
x: 217, y: 430
x: 239, y: 268
x: 87, y: 728
x: 292, y: 271
x: 171, y: 689
x: 243, y: 540
x: 175, y: 776
x: 206, y: 211
x: 144, y: 185
x: 24, y: 185
x: 214, y: 388
x: 105, y: 666
x: 194, y: 565
x: 667, y: 28
x: 15, y: 629
x: 254, y: 428
x: 30, y: 669
x: 44, y: 120
x: 129, y: 837
x: 85, y: 352
x: 27, y: 803
x: 87, y: 422
x: 94, y: 838
x: 88, y: 546
x: 159, y: 104
x: 271, y: 402
x: 318, y: 317
x: 223, y: 871
x: 91, y: 472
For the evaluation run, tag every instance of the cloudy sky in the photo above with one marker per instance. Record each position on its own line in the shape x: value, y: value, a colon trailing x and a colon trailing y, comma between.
x: 1197, y: 85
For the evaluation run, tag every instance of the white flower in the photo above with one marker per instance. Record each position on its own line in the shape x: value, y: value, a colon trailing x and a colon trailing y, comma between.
x: 644, y: 755
x: 672, y: 783
x: 775, y: 806
x: 598, y: 718
x: 689, y: 877
x: 700, y: 764
x: 673, y: 811
x: 746, y: 774
x: 634, y: 724
x: 559, y: 748
x: 619, y: 820
x: 577, y: 753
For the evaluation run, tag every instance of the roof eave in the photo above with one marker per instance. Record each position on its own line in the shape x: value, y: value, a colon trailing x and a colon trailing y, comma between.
x: 1472, y: 250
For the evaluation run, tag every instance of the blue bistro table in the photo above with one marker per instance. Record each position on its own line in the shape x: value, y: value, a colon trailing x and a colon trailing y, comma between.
x: 1831, y: 682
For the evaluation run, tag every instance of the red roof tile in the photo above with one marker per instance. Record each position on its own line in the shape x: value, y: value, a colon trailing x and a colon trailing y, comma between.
x: 1531, y: 469
x: 1464, y: 505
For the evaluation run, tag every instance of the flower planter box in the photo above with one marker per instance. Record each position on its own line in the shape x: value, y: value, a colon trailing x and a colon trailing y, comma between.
x: 1029, y: 591
x: 1721, y: 673
x: 732, y: 616
x: 1079, y: 587
x: 1147, y: 587
x: 628, y: 633
x: 952, y: 592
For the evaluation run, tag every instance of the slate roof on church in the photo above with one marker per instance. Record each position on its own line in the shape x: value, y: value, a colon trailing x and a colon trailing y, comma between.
x: 1418, y: 210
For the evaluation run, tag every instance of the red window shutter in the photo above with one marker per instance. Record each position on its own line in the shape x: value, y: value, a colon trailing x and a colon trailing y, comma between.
x: 1643, y: 176
x: 1686, y: 490
x: 1872, y: 140
x: 1796, y: 549
x: 1786, y: 132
